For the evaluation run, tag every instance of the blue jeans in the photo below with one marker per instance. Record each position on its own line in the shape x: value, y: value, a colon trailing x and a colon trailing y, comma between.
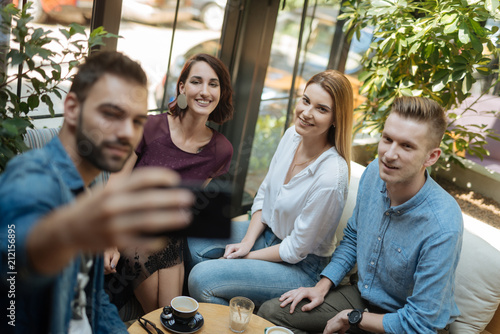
x: 215, y: 280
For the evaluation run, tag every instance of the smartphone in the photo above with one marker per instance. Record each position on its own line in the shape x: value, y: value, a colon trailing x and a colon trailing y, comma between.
x: 211, y: 210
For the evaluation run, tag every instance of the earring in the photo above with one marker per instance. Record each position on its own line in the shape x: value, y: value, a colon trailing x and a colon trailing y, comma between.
x: 182, y: 101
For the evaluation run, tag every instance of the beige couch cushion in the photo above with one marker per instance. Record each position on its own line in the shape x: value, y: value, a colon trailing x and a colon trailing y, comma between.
x: 477, y: 285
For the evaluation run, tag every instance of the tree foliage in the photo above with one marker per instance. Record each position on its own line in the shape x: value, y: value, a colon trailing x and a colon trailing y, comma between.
x: 41, y: 71
x: 435, y: 49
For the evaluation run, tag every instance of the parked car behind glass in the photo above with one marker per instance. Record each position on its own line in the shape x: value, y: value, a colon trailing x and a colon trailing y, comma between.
x: 210, y: 12
x: 144, y: 11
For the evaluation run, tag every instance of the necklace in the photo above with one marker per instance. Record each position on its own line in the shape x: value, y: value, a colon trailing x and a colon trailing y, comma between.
x: 307, y: 161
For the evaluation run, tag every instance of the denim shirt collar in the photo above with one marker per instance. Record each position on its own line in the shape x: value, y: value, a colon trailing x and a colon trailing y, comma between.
x: 413, y: 202
x: 62, y: 161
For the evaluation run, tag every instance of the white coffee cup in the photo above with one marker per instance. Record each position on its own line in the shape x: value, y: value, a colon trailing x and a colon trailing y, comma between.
x: 277, y: 330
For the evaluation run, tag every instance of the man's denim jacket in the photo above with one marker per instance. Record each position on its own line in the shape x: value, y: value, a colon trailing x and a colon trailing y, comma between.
x: 33, y: 185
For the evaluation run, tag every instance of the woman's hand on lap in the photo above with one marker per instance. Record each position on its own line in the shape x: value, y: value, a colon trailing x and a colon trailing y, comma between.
x: 236, y: 251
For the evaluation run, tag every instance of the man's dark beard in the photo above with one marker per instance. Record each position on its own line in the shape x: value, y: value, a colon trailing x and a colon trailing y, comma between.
x: 89, y: 151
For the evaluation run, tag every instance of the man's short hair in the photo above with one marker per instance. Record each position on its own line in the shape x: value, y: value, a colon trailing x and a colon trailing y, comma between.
x: 422, y: 109
x: 106, y: 62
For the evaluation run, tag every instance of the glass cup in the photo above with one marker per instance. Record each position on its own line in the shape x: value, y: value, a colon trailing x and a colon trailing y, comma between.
x: 240, y: 312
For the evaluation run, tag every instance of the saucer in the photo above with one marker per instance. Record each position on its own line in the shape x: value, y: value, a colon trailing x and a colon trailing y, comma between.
x: 168, y: 321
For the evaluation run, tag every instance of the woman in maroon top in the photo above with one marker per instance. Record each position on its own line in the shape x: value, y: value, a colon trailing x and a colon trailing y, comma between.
x: 180, y: 140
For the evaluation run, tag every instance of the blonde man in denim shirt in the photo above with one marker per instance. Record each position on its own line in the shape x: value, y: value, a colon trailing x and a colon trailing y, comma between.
x: 60, y: 229
x: 405, y: 236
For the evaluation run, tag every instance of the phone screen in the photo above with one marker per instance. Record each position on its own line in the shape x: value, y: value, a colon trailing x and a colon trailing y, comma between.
x: 211, y: 211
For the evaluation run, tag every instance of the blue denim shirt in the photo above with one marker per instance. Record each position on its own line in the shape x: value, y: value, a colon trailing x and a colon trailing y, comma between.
x: 33, y: 185
x: 406, y: 255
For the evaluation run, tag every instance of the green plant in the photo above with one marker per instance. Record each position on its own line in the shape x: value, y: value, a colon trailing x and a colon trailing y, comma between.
x: 434, y: 49
x: 41, y: 70
x: 268, y: 133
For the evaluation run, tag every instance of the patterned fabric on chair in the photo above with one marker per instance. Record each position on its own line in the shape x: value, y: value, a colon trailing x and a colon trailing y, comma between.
x: 37, y: 138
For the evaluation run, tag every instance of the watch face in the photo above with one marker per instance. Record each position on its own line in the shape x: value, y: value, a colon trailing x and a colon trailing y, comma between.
x: 355, y: 317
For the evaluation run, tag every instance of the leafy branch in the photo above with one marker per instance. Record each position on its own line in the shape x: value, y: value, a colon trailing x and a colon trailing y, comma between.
x: 435, y: 49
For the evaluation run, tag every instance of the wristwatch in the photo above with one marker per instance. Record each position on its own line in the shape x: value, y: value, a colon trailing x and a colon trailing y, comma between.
x: 355, y: 317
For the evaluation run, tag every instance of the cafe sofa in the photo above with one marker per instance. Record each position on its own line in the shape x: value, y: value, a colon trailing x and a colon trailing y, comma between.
x: 478, y: 274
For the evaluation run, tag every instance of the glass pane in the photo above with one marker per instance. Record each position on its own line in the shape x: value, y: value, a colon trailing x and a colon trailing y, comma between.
x: 52, y: 16
x: 353, y: 64
x: 314, y: 55
x: 147, y: 31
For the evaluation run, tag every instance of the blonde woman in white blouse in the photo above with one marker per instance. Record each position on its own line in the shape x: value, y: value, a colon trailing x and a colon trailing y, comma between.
x: 289, y: 239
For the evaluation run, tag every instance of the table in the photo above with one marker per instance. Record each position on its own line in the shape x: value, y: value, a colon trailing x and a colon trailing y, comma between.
x: 216, y: 319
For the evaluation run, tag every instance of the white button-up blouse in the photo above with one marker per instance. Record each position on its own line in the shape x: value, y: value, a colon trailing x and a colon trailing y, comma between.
x: 304, y: 213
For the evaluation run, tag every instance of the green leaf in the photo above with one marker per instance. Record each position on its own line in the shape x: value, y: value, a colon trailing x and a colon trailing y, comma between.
x: 10, y: 129
x: 76, y: 29
x: 484, y: 70
x: 18, y: 123
x: 460, y: 59
x: 484, y: 61
x: 414, y: 48
x: 476, y: 44
x: 42, y: 73
x: 44, y: 53
x: 56, y: 75
x: 37, y: 85
x: 33, y: 101
x: 58, y: 94
x: 23, y: 107
x: 65, y: 33
x: 439, y: 80
x: 37, y: 34
x: 48, y: 101
x: 451, y: 28
x: 448, y: 18
x: 429, y: 49
x: 364, y: 75
x: 463, y: 33
x: 439, y: 75
x: 73, y: 64
x: 467, y: 83
x: 458, y: 66
x: 458, y: 75
x: 477, y: 28
x: 17, y: 58
x: 406, y: 92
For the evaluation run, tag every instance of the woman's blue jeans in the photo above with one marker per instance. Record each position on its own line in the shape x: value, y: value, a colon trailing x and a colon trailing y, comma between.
x: 215, y: 280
